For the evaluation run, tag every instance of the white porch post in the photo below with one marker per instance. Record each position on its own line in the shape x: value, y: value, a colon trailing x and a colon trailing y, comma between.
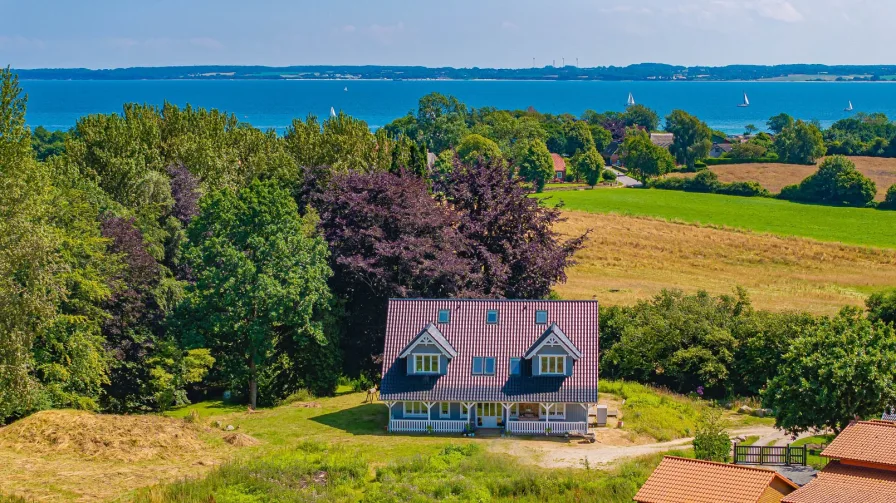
x: 507, y: 407
x: 389, y: 424
x: 470, y: 408
x: 587, y: 407
x: 429, y: 410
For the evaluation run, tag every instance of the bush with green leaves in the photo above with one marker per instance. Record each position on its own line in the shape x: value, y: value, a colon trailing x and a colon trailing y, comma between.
x: 836, y: 182
x: 711, y: 441
x: 882, y: 307
x: 889, y: 202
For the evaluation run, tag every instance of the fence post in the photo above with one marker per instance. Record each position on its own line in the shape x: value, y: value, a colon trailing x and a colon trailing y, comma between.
x: 805, y: 455
x: 734, y: 455
x: 787, y: 455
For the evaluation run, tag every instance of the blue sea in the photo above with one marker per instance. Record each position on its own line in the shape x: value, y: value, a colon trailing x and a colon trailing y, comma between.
x: 274, y: 104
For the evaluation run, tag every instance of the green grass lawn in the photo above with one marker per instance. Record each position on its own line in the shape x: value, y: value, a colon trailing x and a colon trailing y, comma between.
x: 857, y: 226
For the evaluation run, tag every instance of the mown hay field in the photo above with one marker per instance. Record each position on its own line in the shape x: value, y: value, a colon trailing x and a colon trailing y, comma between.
x: 774, y: 177
x: 627, y: 259
x: 856, y: 226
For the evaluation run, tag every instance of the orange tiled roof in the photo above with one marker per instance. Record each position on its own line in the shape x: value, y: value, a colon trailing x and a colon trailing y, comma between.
x: 839, y: 483
x: 559, y: 162
x: 680, y: 480
x: 867, y: 441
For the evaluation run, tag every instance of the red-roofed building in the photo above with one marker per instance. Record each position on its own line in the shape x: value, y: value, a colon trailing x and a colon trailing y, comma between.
x: 682, y: 480
x: 521, y: 365
x: 559, y: 167
x: 862, y: 470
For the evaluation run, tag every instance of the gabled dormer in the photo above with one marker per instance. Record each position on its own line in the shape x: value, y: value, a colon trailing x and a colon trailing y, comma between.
x: 429, y: 353
x: 553, y: 354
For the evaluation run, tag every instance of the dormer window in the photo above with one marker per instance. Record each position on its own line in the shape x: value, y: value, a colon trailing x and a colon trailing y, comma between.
x: 552, y: 365
x: 483, y: 366
x: 491, y: 317
x: 444, y: 316
x: 426, y: 364
x: 541, y: 317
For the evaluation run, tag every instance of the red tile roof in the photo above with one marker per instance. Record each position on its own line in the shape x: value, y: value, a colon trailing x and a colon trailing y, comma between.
x: 681, y: 480
x: 839, y: 483
x: 865, y: 441
x: 559, y: 162
x: 469, y: 334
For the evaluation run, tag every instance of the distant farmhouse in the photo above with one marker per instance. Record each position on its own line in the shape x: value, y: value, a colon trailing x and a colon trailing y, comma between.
x: 664, y: 140
x: 525, y: 367
x: 559, y: 167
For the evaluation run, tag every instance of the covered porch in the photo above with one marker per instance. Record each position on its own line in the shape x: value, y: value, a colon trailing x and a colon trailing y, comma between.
x: 521, y: 418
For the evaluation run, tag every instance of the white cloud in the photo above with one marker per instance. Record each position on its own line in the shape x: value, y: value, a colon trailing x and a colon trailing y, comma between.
x: 780, y: 10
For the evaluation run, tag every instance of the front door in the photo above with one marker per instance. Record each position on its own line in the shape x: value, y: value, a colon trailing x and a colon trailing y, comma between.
x: 487, y: 415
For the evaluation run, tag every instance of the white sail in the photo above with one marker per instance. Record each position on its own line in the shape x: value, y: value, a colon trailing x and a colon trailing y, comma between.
x: 746, y: 99
x: 849, y: 108
x: 346, y: 89
x: 332, y: 112
x: 631, y: 100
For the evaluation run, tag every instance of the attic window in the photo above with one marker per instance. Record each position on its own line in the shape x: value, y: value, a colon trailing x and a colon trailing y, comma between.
x: 444, y: 316
x: 514, y: 366
x: 491, y: 317
x: 483, y: 366
x: 541, y: 317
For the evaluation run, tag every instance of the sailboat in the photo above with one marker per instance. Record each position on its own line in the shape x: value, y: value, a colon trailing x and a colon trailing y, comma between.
x: 849, y: 108
x: 631, y: 100
x: 346, y: 89
x: 332, y: 112
x: 746, y: 102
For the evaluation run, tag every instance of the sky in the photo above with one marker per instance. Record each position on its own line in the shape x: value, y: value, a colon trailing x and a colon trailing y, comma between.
x: 460, y: 33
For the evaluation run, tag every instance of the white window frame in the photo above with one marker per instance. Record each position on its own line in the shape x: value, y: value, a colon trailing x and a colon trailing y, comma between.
x: 483, y: 371
x: 515, y: 410
x: 432, y: 359
x: 544, y: 362
x: 558, y: 411
x: 444, y: 410
x: 415, y: 409
x: 464, y: 412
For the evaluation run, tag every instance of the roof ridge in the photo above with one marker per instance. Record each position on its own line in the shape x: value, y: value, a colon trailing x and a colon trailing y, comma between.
x: 730, y: 465
x: 879, y: 422
x: 448, y: 299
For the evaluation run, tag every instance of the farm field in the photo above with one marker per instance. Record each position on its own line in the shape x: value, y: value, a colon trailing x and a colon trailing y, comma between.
x: 628, y: 258
x: 856, y: 226
x: 334, y: 449
x: 774, y: 177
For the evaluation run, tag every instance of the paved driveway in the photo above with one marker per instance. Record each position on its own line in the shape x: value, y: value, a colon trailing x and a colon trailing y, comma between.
x: 625, y: 179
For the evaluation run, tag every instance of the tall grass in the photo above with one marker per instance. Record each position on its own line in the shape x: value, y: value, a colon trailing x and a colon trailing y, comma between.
x: 654, y: 412
x: 458, y: 473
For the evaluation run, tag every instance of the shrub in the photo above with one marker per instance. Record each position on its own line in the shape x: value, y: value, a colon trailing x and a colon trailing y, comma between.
x: 708, y: 182
x: 768, y: 158
x: 712, y: 443
x: 890, y: 200
x: 610, y: 176
x: 836, y: 182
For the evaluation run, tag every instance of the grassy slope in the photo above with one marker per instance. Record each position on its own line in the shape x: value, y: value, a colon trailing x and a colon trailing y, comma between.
x: 858, y: 226
x: 775, y: 176
x: 815, y: 460
x: 346, y: 439
x: 627, y: 259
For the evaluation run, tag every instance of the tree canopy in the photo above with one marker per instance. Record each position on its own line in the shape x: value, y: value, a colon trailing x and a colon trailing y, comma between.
x: 692, y: 137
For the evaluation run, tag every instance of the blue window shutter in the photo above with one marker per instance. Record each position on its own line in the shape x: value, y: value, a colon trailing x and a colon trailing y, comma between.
x: 443, y: 365
x: 536, y: 366
x: 568, y: 362
x: 410, y: 360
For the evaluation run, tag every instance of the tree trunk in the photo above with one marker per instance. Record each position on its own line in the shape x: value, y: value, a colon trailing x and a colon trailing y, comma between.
x: 253, y: 384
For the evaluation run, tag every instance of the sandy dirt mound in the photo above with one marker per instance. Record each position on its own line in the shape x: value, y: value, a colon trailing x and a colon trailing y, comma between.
x: 107, y: 437
x: 240, y: 440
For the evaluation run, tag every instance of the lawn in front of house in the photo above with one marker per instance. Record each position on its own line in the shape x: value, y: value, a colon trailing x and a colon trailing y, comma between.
x: 813, y: 458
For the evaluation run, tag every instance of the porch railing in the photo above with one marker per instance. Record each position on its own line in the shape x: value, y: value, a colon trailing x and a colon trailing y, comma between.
x: 539, y: 427
x: 423, y: 425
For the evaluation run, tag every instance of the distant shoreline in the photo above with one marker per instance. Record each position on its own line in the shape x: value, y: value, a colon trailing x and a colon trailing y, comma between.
x: 249, y: 79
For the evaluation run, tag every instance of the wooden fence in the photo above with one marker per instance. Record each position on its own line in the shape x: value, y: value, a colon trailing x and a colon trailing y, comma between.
x: 770, y: 455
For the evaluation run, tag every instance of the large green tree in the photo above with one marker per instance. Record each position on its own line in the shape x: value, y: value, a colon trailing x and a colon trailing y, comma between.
x: 837, y: 181
x: 260, y: 277
x: 641, y: 116
x: 882, y: 307
x: 534, y: 163
x: 779, y: 123
x: 643, y: 159
x: 588, y: 165
x: 693, y: 138
x: 840, y: 369
x: 800, y: 143
x: 441, y: 121
x: 474, y: 147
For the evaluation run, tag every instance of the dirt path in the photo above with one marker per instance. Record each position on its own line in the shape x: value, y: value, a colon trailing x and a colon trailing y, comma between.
x: 574, y: 453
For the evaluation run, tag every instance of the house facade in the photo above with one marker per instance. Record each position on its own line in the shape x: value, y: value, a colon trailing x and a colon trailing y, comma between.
x: 559, y: 167
x: 527, y: 367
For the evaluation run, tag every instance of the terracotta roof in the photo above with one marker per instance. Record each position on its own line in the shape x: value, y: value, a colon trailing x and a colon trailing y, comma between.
x: 469, y: 334
x: 559, y: 162
x: 839, y: 483
x: 867, y: 441
x: 680, y: 480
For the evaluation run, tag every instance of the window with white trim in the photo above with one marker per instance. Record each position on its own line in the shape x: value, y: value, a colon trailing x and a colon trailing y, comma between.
x: 483, y: 365
x: 464, y: 412
x: 444, y: 410
x: 426, y: 364
x: 552, y: 365
x: 415, y: 409
x: 557, y: 411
